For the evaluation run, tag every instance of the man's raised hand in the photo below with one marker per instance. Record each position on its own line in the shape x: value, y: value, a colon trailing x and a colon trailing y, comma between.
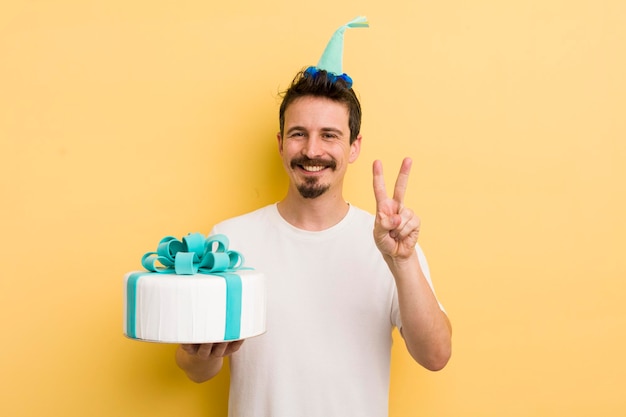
x: 396, y: 227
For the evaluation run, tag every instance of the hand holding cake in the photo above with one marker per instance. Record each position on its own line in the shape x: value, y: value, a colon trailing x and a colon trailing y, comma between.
x: 212, y: 350
x: 203, y: 361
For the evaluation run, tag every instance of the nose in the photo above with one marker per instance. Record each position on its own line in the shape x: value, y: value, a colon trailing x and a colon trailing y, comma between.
x: 313, y: 147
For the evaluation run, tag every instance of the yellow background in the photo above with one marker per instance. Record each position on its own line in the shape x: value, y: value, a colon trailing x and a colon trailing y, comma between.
x: 125, y: 121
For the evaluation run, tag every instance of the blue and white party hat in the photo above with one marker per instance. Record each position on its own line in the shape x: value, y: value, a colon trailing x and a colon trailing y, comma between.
x: 332, y: 58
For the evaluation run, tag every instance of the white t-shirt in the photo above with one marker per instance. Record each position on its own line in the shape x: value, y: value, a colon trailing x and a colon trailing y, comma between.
x: 332, y: 305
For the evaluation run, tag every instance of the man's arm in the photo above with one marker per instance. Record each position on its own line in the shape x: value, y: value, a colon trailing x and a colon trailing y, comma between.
x: 202, y: 362
x: 425, y: 327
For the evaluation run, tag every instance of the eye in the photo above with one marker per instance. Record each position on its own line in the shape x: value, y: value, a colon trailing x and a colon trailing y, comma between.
x: 296, y: 134
x: 330, y: 135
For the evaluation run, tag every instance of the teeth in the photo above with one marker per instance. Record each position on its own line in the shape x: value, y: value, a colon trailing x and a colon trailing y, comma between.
x: 313, y: 168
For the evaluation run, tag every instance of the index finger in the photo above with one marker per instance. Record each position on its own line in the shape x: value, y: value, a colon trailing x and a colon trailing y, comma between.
x: 402, y: 181
x: 380, y: 192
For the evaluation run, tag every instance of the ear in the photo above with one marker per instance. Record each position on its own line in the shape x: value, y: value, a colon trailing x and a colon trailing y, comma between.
x: 280, y: 143
x: 355, y: 149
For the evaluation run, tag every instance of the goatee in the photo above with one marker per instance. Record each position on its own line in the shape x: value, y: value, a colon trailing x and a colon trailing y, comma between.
x: 311, y: 188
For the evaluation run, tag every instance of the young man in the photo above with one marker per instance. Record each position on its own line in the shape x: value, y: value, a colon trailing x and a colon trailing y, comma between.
x: 335, y: 292
x: 335, y: 288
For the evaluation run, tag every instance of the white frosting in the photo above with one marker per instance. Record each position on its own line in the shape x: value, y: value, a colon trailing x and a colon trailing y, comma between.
x: 173, y: 308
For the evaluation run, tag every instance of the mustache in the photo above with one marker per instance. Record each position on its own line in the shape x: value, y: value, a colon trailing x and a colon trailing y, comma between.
x: 303, y: 160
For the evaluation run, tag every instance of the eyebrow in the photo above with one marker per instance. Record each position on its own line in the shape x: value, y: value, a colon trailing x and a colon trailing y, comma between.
x: 324, y: 129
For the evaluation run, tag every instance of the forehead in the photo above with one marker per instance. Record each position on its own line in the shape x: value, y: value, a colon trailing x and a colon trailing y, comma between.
x: 311, y: 111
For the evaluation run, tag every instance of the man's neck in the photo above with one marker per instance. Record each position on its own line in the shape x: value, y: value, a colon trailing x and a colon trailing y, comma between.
x: 313, y: 214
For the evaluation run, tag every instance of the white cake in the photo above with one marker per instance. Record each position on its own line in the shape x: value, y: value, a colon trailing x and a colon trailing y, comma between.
x: 194, y: 290
x: 172, y: 308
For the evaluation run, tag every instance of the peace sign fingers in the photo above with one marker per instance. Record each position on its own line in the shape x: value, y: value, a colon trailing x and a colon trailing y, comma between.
x: 396, y: 227
x: 380, y: 191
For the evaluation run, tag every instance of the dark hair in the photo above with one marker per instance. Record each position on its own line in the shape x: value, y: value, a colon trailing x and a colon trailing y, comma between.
x: 323, y: 84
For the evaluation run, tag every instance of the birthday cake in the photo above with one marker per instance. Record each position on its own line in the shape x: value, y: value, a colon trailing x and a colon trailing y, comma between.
x: 194, y: 291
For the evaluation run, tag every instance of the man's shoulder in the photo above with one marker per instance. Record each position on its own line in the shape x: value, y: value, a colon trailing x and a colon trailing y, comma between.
x: 255, y: 217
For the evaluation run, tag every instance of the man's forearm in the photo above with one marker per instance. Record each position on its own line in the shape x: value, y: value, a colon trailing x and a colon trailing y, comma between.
x: 425, y: 327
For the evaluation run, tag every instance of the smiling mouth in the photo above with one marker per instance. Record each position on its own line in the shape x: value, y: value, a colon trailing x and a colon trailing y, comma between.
x: 311, y: 165
x: 314, y: 168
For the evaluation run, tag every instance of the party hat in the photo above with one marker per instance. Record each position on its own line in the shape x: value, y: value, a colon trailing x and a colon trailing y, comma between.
x: 332, y: 58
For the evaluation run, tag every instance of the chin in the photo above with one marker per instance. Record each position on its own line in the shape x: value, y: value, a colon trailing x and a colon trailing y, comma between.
x: 312, y: 192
